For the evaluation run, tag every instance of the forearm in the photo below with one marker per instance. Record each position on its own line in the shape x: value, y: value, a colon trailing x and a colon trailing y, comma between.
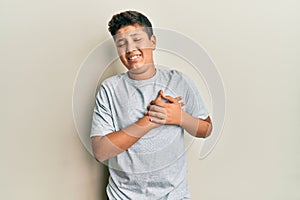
x: 116, y: 142
x: 195, y: 126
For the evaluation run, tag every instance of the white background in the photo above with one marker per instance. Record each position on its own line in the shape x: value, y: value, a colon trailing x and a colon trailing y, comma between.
x: 255, y: 44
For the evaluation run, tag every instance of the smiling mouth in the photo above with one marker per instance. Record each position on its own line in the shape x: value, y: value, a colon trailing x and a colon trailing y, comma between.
x: 134, y: 57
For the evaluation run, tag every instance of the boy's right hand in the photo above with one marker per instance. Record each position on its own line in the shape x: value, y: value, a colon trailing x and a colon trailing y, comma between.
x: 165, y: 110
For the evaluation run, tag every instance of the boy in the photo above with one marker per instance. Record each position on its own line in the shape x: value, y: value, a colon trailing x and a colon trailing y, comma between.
x: 137, y: 129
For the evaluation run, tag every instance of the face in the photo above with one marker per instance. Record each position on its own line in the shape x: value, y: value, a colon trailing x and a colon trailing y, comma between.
x: 134, y: 47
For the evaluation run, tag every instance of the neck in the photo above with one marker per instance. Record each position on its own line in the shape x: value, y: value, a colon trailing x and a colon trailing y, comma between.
x: 142, y: 73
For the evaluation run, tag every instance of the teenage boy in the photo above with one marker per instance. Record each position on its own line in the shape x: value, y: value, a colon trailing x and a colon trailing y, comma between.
x: 139, y: 119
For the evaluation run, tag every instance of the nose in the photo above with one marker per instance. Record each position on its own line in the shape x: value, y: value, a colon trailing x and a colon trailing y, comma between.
x: 130, y: 47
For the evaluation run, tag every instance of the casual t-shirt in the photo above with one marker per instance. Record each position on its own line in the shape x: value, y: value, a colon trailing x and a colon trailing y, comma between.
x: 155, y: 166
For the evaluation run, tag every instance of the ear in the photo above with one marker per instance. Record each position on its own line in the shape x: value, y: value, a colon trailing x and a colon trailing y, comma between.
x: 153, y: 41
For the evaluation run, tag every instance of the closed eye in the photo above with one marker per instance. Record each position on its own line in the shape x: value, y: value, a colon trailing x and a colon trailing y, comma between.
x: 137, y: 39
x: 120, y: 44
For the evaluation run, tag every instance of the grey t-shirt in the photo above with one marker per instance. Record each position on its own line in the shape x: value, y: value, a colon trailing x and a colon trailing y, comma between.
x: 155, y: 166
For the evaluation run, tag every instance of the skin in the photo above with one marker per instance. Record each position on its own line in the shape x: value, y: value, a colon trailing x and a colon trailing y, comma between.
x: 170, y: 112
x: 135, y: 51
x: 133, y: 41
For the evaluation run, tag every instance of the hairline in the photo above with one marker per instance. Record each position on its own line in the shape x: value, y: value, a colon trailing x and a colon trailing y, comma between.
x: 143, y: 27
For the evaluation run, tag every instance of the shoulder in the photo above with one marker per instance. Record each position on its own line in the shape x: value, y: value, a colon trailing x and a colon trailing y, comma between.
x: 108, y: 85
x: 175, y: 75
x: 112, y: 81
x: 171, y: 73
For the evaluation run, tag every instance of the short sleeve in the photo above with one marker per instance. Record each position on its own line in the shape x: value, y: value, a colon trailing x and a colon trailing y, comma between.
x: 194, y: 104
x: 102, y: 121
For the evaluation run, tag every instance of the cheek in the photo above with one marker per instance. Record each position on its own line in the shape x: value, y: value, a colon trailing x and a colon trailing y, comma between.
x: 147, y: 53
x: 143, y: 46
x: 122, y: 55
x: 121, y: 52
x: 123, y: 59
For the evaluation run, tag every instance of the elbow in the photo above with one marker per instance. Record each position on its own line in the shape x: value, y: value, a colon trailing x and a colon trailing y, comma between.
x: 100, y: 154
x: 99, y: 157
x: 208, y: 130
x: 97, y: 146
x: 208, y: 127
x: 103, y: 149
x: 104, y: 155
x: 205, y: 130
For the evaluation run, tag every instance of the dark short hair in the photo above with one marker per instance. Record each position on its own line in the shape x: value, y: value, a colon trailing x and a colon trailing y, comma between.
x: 127, y: 18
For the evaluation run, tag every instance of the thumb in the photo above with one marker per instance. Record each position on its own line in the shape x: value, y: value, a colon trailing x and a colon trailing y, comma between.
x: 158, y: 97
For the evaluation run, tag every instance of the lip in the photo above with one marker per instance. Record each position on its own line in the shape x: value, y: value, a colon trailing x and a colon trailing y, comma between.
x: 133, y: 57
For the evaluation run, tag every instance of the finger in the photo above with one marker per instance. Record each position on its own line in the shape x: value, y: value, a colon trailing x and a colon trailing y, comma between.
x: 178, y: 98
x: 157, y: 102
x: 170, y: 99
x: 158, y: 97
x: 157, y: 108
x: 153, y: 114
x: 160, y: 94
x: 157, y: 120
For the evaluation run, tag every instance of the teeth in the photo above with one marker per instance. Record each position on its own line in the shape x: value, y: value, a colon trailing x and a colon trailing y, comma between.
x: 134, y: 57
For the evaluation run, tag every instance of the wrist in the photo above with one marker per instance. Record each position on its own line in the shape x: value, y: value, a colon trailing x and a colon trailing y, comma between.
x: 184, y: 118
x: 139, y: 128
x: 189, y: 123
x: 146, y: 122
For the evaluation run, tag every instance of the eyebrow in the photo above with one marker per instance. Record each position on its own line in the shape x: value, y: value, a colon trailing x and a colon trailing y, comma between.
x: 119, y: 40
x: 134, y: 34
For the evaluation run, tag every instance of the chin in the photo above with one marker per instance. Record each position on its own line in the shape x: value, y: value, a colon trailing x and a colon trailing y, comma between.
x: 138, y: 68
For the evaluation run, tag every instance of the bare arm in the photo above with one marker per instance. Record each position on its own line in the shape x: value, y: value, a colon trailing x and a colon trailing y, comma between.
x: 195, y: 126
x: 116, y: 142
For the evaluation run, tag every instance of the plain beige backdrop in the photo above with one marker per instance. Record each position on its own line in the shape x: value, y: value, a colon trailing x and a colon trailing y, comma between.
x: 255, y: 44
